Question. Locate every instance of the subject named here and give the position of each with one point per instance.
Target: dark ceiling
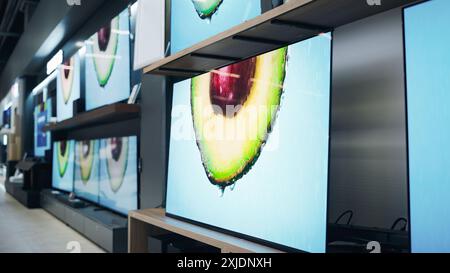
(14, 15)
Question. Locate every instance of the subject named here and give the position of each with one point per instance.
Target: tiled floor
(35, 231)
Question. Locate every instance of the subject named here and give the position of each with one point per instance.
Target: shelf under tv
(142, 222)
(292, 22)
(104, 115)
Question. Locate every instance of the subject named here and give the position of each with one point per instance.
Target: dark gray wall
(368, 169)
(153, 140)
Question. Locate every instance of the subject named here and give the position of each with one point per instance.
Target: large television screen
(42, 139)
(249, 147)
(193, 21)
(119, 174)
(108, 67)
(63, 165)
(68, 87)
(427, 39)
(87, 169)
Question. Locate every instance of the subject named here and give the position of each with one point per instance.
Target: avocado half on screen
(62, 149)
(85, 150)
(104, 47)
(116, 161)
(254, 89)
(67, 78)
(206, 8)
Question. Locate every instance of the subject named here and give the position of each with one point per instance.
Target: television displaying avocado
(68, 87)
(118, 174)
(108, 65)
(87, 162)
(193, 21)
(63, 165)
(250, 140)
(42, 139)
(260, 84)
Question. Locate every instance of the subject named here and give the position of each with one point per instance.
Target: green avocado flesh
(86, 159)
(105, 44)
(116, 160)
(230, 144)
(67, 76)
(62, 149)
(206, 8)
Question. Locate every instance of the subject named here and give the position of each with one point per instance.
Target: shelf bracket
(305, 26)
(215, 57)
(259, 40)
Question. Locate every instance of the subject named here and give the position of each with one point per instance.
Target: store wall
(153, 140)
(368, 169)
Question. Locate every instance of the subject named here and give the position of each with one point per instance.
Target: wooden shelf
(107, 114)
(140, 222)
(292, 22)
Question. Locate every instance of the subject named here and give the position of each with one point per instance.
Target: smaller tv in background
(108, 65)
(86, 184)
(68, 87)
(63, 165)
(7, 118)
(42, 116)
(119, 174)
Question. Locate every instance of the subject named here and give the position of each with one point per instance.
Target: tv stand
(106, 229)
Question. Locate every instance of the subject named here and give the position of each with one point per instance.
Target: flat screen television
(427, 39)
(87, 170)
(7, 118)
(119, 174)
(249, 147)
(42, 116)
(63, 165)
(196, 20)
(68, 87)
(108, 66)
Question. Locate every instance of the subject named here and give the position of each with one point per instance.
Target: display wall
(368, 167)
(428, 86)
(262, 170)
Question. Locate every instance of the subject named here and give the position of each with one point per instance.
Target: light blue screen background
(64, 183)
(91, 189)
(428, 76)
(118, 87)
(125, 199)
(39, 150)
(283, 199)
(188, 29)
(65, 111)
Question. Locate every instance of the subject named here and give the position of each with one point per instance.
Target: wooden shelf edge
(295, 14)
(225, 242)
(102, 115)
(289, 6)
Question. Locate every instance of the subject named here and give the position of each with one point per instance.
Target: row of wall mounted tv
(249, 145)
(102, 171)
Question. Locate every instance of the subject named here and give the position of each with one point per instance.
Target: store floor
(35, 231)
